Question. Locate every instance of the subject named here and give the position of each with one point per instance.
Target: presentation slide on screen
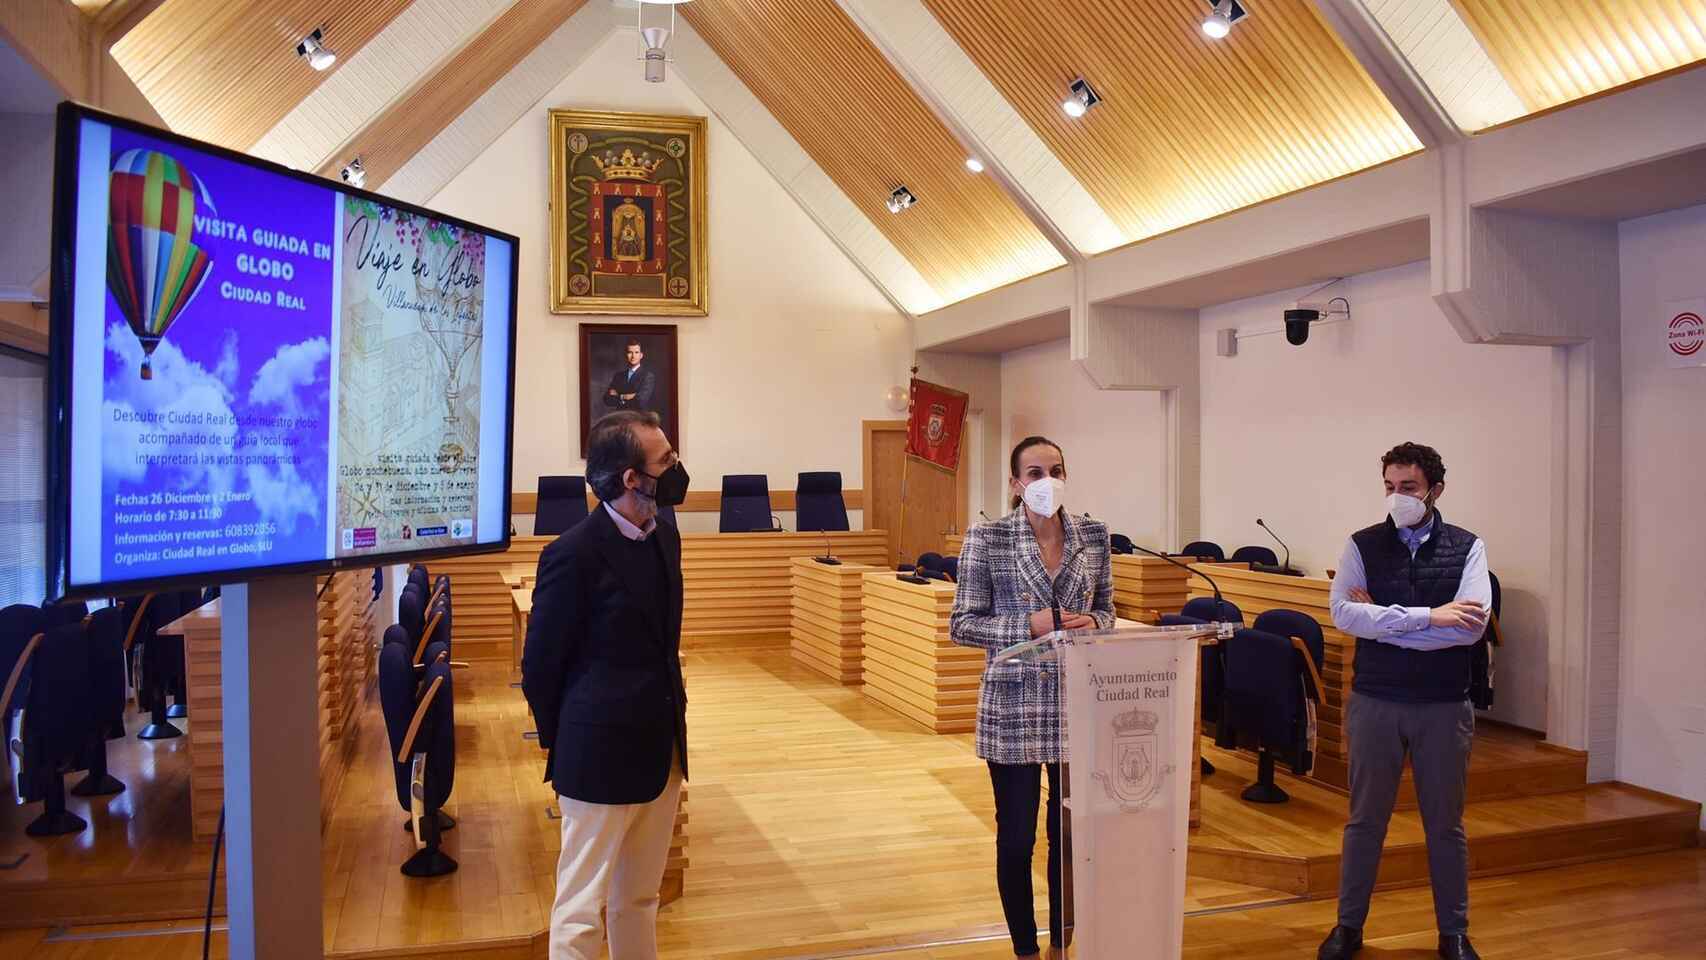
(270, 371)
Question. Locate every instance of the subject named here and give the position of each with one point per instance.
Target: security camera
(1312, 307)
(1297, 321)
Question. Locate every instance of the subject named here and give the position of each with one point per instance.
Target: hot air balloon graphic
(154, 267)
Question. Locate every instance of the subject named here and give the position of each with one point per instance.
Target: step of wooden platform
(1505, 762)
(1294, 846)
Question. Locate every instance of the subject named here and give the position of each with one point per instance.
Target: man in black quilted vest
(1414, 592)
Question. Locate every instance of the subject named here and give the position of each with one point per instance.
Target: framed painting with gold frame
(628, 214)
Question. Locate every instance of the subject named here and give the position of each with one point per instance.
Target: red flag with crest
(935, 421)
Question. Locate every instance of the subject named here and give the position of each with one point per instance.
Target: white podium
(1128, 697)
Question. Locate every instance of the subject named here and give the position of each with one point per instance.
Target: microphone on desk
(1285, 567)
(984, 516)
(776, 524)
(828, 558)
(1219, 602)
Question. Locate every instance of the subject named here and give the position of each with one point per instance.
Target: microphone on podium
(1219, 601)
(828, 558)
(1285, 566)
(984, 516)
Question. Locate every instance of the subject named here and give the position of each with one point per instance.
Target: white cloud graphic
(180, 389)
(295, 365)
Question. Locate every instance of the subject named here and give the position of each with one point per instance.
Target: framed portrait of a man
(630, 367)
(628, 214)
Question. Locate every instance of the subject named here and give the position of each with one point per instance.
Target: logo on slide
(1687, 334)
(461, 529)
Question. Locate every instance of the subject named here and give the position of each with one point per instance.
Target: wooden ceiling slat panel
(1555, 51)
(1189, 128)
(868, 130)
(409, 124)
(227, 70)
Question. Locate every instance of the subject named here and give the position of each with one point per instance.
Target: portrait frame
(602, 358)
(659, 190)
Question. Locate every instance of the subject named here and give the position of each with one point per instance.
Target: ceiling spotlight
(1219, 21)
(654, 39)
(313, 49)
(1080, 99)
(355, 174)
(974, 165)
(900, 199)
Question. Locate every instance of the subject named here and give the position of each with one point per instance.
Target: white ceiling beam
(1367, 41)
(986, 125)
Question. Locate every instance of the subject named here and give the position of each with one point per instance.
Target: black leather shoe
(1456, 947)
(1343, 943)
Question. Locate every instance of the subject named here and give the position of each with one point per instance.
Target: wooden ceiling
(227, 70)
(1189, 128)
(860, 121)
(1555, 51)
(439, 97)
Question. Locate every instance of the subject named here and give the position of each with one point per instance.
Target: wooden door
(934, 501)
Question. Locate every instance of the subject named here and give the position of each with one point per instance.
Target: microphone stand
(1285, 565)
(1226, 628)
(1223, 629)
(828, 558)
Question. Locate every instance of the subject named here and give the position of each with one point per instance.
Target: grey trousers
(1436, 737)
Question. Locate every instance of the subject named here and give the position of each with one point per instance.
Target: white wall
(1112, 439)
(1664, 522)
(26, 181)
(799, 346)
(1294, 435)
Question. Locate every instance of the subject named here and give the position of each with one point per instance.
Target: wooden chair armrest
(458, 664)
(136, 621)
(1314, 674)
(1498, 636)
(426, 634)
(18, 673)
(419, 718)
(436, 593)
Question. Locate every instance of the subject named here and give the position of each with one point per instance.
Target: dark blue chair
(562, 504)
(818, 503)
(1210, 610)
(928, 561)
(746, 503)
(1273, 684)
(57, 727)
(1255, 555)
(1120, 544)
(104, 635)
(19, 623)
(159, 659)
(1203, 548)
(951, 567)
(423, 766)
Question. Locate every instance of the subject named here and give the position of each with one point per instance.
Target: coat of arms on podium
(1138, 770)
(627, 214)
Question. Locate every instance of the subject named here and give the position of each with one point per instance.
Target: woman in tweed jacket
(1013, 573)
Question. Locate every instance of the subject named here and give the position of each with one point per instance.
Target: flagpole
(905, 464)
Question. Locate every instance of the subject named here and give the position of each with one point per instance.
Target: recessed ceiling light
(974, 165)
(900, 199)
(1219, 21)
(1080, 98)
(313, 49)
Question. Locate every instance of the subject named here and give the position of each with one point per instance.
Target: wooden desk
(951, 544)
(910, 665)
(736, 585)
(344, 650)
(1256, 593)
(827, 630)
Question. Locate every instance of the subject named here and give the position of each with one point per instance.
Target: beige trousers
(612, 859)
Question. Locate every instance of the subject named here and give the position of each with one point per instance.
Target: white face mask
(1405, 510)
(1045, 496)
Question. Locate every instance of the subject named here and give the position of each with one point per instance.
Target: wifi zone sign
(1687, 334)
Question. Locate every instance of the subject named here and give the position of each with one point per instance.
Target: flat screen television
(256, 371)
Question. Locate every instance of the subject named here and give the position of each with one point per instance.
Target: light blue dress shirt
(1401, 626)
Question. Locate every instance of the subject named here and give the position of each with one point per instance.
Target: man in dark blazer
(633, 386)
(601, 671)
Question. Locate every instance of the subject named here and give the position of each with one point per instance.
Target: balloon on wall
(154, 266)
